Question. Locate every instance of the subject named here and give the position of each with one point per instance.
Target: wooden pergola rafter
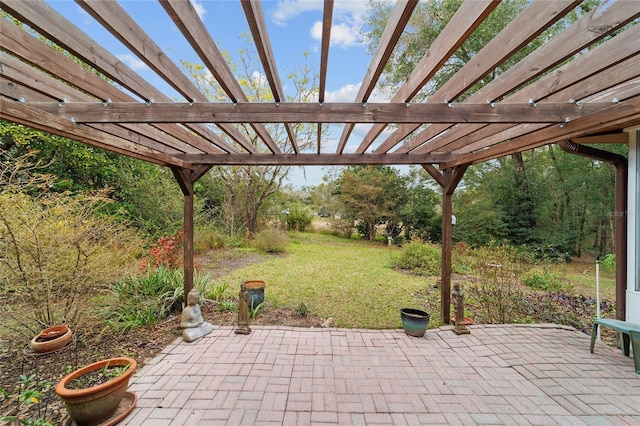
(582, 84)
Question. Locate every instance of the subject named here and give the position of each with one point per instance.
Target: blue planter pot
(414, 321)
(255, 288)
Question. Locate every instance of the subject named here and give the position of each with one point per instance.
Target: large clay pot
(92, 405)
(414, 321)
(44, 343)
(255, 288)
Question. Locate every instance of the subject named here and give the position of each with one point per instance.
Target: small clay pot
(40, 345)
(467, 320)
(53, 332)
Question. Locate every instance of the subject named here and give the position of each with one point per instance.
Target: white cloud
(289, 9)
(259, 78)
(341, 35)
(132, 62)
(349, 92)
(199, 7)
(348, 18)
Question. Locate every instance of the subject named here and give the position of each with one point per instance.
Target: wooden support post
(186, 178)
(448, 179)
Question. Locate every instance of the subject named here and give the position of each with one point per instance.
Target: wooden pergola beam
(171, 112)
(393, 30)
(258, 27)
(621, 115)
(22, 114)
(531, 22)
(302, 159)
(22, 44)
(187, 20)
(466, 19)
(590, 28)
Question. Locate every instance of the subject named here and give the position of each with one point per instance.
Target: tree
(512, 198)
(247, 188)
(371, 195)
(144, 194)
(418, 215)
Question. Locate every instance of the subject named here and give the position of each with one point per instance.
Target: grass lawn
(346, 280)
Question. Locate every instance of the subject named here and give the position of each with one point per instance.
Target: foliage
(254, 310)
(371, 195)
(217, 293)
(143, 300)
(608, 262)
(497, 270)
(30, 392)
(342, 227)
(302, 310)
(298, 217)
(165, 252)
(271, 240)
(97, 377)
(142, 193)
(418, 215)
(56, 251)
(227, 305)
(542, 280)
(421, 258)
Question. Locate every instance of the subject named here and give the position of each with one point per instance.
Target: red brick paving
(503, 374)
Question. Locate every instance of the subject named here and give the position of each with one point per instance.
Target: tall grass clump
(271, 240)
(420, 258)
(145, 299)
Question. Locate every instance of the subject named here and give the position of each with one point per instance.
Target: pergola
(582, 85)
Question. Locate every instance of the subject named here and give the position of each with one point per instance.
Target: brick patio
(506, 374)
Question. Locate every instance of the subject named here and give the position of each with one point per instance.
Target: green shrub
(57, 252)
(210, 238)
(608, 262)
(497, 270)
(420, 258)
(299, 218)
(271, 240)
(342, 227)
(227, 306)
(542, 280)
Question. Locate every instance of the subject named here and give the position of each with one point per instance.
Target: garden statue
(192, 324)
(458, 303)
(243, 311)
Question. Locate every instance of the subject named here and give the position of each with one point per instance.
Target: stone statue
(243, 311)
(458, 303)
(192, 324)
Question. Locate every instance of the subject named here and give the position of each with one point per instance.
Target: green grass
(346, 280)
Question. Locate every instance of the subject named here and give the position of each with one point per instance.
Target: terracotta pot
(53, 332)
(41, 345)
(91, 406)
(255, 288)
(414, 321)
(467, 320)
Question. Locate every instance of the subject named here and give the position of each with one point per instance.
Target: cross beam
(171, 112)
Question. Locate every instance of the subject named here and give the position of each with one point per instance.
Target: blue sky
(294, 28)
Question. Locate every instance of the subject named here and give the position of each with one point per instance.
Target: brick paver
(506, 374)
